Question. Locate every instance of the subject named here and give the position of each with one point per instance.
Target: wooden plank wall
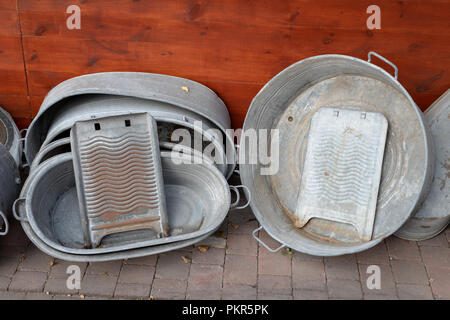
(232, 46)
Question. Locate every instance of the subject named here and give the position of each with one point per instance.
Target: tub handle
(262, 242)
(238, 196)
(14, 210)
(4, 233)
(372, 53)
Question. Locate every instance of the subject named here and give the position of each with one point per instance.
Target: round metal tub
(434, 214)
(88, 106)
(197, 197)
(9, 186)
(183, 93)
(10, 136)
(288, 101)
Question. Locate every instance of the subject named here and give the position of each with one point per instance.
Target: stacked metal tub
(10, 156)
(197, 196)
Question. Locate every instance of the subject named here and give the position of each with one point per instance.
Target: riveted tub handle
(262, 242)
(235, 203)
(372, 53)
(4, 233)
(14, 210)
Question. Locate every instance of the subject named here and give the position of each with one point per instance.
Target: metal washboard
(118, 176)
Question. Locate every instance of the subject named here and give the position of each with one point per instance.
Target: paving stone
(110, 268)
(387, 281)
(342, 267)
(274, 284)
(37, 296)
(310, 294)
(57, 284)
(242, 244)
(238, 292)
(240, 269)
(344, 289)
(400, 249)
(436, 256)
(28, 281)
(147, 261)
(10, 295)
(203, 295)
(376, 255)
(438, 241)
(273, 296)
(8, 266)
(15, 236)
(4, 283)
(211, 256)
(168, 289)
(171, 266)
(12, 251)
(98, 285)
(242, 221)
(299, 256)
(132, 290)
(409, 272)
(68, 297)
(440, 282)
(308, 275)
(379, 297)
(213, 242)
(274, 263)
(35, 260)
(137, 274)
(414, 292)
(205, 277)
(268, 240)
(60, 268)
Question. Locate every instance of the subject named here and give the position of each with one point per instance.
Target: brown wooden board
(232, 46)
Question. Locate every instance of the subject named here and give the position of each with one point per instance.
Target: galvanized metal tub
(407, 164)
(89, 106)
(198, 199)
(434, 214)
(10, 136)
(9, 186)
(50, 150)
(183, 93)
(127, 254)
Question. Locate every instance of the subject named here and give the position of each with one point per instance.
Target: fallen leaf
(52, 263)
(185, 89)
(234, 225)
(202, 248)
(186, 259)
(220, 234)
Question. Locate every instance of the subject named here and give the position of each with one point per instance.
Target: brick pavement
(242, 270)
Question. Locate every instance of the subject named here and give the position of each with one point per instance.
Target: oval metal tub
(183, 93)
(197, 197)
(10, 136)
(9, 186)
(89, 106)
(434, 214)
(287, 103)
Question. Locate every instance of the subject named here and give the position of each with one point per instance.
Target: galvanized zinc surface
(288, 101)
(119, 176)
(342, 169)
